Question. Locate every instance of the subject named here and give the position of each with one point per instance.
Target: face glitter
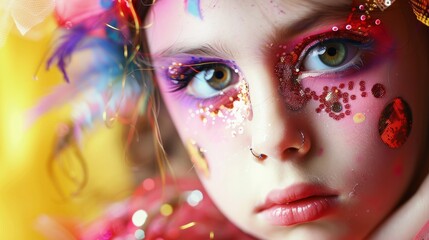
(233, 113)
(198, 158)
(378, 90)
(298, 62)
(395, 123)
(215, 89)
(292, 92)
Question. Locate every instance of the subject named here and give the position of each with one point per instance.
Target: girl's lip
(298, 203)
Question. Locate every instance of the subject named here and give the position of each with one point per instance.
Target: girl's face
(327, 95)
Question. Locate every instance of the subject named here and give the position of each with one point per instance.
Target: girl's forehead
(203, 8)
(193, 23)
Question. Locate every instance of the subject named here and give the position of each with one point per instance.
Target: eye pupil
(332, 51)
(219, 74)
(334, 54)
(220, 77)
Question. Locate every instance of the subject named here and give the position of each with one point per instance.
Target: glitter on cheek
(197, 155)
(234, 113)
(359, 118)
(395, 123)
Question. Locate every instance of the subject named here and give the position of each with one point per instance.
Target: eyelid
(314, 40)
(195, 63)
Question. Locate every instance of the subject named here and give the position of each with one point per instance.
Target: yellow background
(26, 191)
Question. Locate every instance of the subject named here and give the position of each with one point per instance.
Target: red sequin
(378, 90)
(395, 123)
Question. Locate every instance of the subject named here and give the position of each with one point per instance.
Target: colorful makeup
(360, 18)
(214, 89)
(336, 101)
(324, 55)
(329, 57)
(197, 155)
(330, 63)
(193, 7)
(395, 123)
(233, 112)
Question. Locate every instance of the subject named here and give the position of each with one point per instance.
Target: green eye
(211, 80)
(219, 77)
(333, 54)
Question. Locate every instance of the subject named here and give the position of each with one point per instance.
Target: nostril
(290, 153)
(297, 149)
(292, 150)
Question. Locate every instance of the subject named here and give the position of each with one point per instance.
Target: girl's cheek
(341, 101)
(355, 100)
(202, 123)
(227, 117)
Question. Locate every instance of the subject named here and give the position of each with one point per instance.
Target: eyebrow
(320, 13)
(217, 49)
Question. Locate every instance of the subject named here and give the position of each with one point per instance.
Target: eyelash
(188, 71)
(364, 44)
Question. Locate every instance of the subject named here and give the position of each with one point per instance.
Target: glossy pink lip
(298, 204)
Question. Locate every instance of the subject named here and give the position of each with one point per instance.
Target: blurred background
(35, 187)
(27, 192)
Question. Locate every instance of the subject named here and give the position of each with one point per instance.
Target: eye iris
(334, 54)
(221, 77)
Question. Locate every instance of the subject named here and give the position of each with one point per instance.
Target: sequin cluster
(336, 101)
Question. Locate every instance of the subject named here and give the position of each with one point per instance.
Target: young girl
(303, 119)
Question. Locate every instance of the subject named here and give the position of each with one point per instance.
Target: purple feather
(68, 44)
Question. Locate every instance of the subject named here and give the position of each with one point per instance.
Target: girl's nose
(277, 132)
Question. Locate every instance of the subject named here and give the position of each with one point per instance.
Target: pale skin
(368, 178)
